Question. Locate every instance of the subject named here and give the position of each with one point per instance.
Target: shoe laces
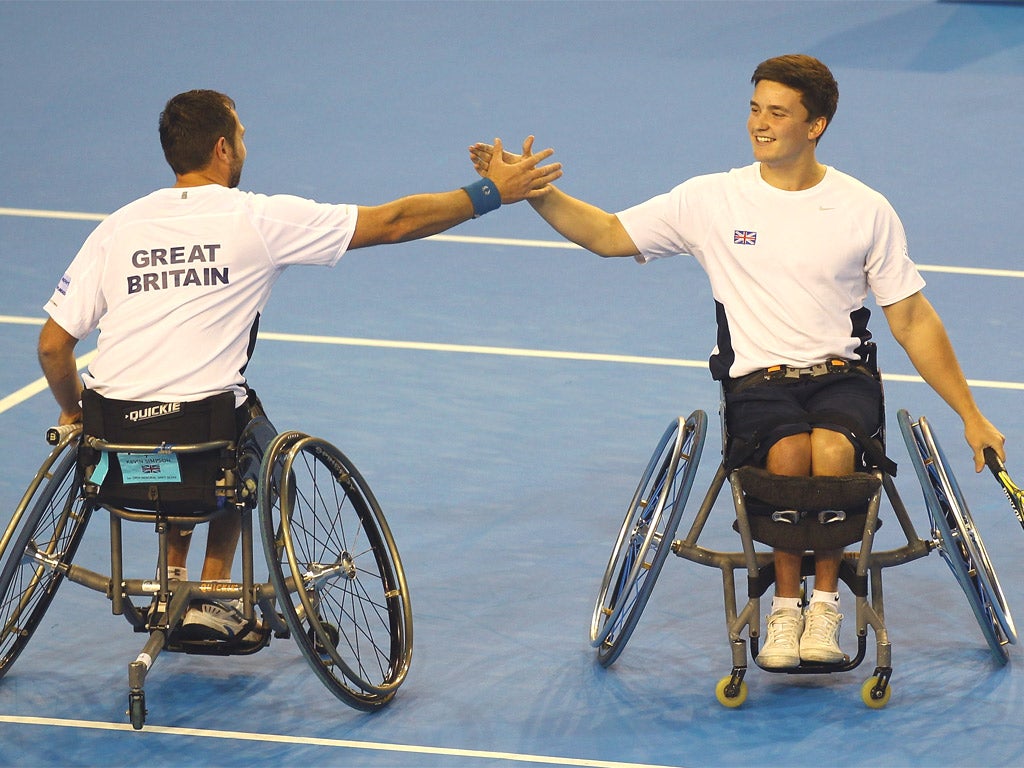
(784, 629)
(822, 623)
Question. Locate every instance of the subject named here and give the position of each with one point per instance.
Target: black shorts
(759, 416)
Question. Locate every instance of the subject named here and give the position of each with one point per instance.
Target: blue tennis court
(500, 390)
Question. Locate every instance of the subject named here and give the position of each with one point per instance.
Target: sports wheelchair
(336, 583)
(648, 536)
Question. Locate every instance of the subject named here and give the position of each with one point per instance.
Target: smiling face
(781, 132)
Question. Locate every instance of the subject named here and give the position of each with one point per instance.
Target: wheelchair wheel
(645, 538)
(957, 538)
(335, 569)
(39, 542)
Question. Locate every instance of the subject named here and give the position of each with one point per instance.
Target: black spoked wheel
(336, 570)
(40, 540)
(645, 538)
(957, 538)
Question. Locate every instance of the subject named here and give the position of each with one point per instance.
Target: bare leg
(178, 541)
(221, 543)
(790, 456)
(823, 452)
(832, 455)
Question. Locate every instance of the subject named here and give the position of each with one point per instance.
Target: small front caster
(731, 691)
(876, 691)
(137, 709)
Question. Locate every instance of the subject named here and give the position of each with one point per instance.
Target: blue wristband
(484, 195)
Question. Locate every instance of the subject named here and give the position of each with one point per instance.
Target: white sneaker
(820, 641)
(781, 648)
(213, 620)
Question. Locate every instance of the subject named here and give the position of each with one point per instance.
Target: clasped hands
(518, 177)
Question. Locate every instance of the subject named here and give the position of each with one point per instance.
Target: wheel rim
(352, 613)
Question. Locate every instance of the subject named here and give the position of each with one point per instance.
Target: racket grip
(55, 434)
(993, 462)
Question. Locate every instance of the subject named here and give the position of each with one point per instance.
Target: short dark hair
(819, 91)
(190, 126)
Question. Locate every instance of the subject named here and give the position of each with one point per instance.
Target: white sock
(832, 598)
(793, 603)
(179, 572)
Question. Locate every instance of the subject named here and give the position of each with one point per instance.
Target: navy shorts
(760, 415)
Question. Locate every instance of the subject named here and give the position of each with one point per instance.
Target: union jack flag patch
(744, 237)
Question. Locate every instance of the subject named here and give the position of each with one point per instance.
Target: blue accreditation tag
(139, 468)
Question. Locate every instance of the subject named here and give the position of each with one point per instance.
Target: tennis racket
(1010, 488)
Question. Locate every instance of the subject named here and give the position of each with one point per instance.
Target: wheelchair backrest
(178, 483)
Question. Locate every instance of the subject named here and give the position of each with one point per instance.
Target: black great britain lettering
(176, 276)
(162, 257)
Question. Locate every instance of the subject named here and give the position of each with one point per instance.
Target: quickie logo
(153, 411)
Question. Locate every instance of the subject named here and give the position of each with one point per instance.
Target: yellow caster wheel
(874, 697)
(728, 697)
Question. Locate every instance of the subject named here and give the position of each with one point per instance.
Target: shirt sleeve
(666, 225)
(300, 231)
(78, 303)
(892, 276)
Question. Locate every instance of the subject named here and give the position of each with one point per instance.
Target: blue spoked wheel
(957, 538)
(645, 539)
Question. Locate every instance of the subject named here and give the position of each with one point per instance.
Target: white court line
(481, 350)
(295, 338)
(322, 742)
(558, 355)
(561, 244)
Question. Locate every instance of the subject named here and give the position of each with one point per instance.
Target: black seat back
(164, 481)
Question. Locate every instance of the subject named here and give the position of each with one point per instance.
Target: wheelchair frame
(648, 532)
(336, 582)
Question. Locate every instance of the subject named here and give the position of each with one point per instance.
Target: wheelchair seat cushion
(191, 486)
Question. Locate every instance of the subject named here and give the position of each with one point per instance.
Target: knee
(831, 453)
(790, 456)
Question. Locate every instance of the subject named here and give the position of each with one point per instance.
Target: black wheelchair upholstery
(807, 496)
(171, 482)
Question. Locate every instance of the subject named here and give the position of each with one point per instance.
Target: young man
(176, 282)
(791, 247)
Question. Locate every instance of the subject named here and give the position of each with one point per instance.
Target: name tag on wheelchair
(141, 468)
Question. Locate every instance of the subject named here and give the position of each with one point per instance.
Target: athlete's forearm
(584, 224)
(56, 353)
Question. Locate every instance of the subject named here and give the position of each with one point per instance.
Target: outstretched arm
(917, 327)
(57, 357)
(416, 216)
(582, 223)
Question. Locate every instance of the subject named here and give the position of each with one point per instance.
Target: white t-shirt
(176, 281)
(789, 271)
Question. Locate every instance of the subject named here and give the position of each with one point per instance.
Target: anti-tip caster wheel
(729, 693)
